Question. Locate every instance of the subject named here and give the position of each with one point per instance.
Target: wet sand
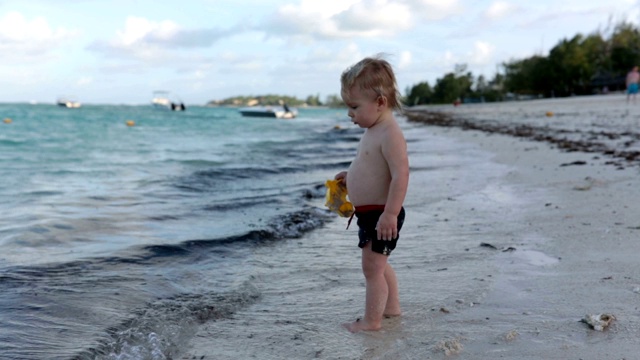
(510, 240)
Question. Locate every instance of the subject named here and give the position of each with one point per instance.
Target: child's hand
(387, 227)
(342, 177)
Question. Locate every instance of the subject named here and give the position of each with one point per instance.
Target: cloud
(373, 18)
(160, 43)
(405, 60)
(434, 9)
(313, 19)
(498, 10)
(151, 40)
(482, 53)
(349, 19)
(564, 15)
(338, 20)
(319, 70)
(84, 81)
(23, 40)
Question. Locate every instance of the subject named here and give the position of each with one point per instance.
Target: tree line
(269, 99)
(581, 65)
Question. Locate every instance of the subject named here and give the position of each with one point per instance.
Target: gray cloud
(25, 40)
(191, 38)
(156, 42)
(365, 19)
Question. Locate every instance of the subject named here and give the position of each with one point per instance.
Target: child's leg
(373, 267)
(393, 300)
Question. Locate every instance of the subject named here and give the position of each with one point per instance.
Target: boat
(68, 103)
(279, 112)
(165, 101)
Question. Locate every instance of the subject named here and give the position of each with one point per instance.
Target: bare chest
(368, 175)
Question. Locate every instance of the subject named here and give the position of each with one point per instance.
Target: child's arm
(394, 151)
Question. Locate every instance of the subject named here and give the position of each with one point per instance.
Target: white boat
(280, 112)
(68, 103)
(165, 101)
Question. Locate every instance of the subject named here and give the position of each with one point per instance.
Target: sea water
(123, 227)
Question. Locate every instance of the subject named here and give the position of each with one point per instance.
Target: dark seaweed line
(556, 137)
(288, 226)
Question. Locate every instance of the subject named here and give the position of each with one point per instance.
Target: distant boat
(165, 101)
(280, 112)
(68, 103)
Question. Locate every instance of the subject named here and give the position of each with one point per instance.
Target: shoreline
(598, 141)
(563, 226)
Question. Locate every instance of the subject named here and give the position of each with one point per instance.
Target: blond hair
(372, 75)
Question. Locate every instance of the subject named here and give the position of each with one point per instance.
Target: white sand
(575, 231)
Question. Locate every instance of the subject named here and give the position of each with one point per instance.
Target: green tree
(313, 100)
(494, 90)
(529, 76)
(596, 50)
(453, 86)
(570, 67)
(334, 101)
(481, 84)
(419, 94)
(625, 47)
(578, 65)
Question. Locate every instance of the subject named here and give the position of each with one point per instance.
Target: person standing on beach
(377, 182)
(633, 78)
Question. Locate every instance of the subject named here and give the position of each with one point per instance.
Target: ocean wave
(91, 289)
(288, 226)
(160, 329)
(14, 142)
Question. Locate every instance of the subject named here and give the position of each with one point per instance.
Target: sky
(120, 51)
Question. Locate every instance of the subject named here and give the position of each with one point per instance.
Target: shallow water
(309, 287)
(117, 240)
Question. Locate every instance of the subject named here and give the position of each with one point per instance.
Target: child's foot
(360, 325)
(392, 311)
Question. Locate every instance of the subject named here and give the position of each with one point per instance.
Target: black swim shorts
(367, 221)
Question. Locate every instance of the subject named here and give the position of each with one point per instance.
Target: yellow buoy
(549, 114)
(7, 121)
(130, 123)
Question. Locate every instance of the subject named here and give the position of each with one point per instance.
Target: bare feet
(361, 325)
(393, 315)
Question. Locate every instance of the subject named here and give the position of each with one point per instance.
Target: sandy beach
(522, 218)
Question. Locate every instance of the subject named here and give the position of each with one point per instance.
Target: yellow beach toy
(337, 198)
